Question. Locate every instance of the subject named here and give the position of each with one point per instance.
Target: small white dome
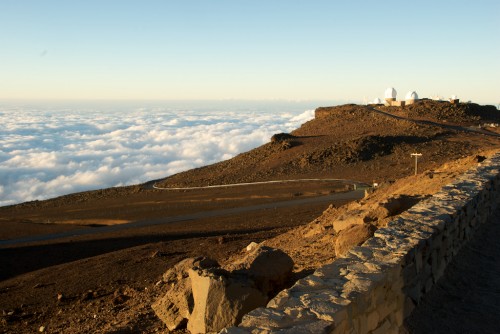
(390, 93)
(454, 97)
(377, 101)
(412, 95)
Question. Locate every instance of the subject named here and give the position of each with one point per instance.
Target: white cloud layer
(47, 152)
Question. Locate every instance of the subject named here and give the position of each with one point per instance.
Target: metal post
(416, 155)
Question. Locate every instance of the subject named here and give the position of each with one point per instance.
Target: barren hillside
(105, 281)
(350, 141)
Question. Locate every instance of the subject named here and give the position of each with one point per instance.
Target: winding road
(152, 184)
(350, 195)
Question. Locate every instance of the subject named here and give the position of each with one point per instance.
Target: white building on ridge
(390, 94)
(411, 97)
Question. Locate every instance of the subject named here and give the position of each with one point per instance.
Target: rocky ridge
(347, 136)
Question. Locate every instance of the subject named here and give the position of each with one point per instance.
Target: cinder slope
(348, 141)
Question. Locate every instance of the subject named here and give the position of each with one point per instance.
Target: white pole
(416, 155)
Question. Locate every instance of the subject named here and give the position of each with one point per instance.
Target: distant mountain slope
(349, 141)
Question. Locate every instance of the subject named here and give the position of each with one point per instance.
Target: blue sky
(293, 50)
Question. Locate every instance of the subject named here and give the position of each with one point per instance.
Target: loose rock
(352, 236)
(270, 268)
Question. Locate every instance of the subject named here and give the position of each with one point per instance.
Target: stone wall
(376, 285)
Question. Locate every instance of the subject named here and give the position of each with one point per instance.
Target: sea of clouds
(51, 150)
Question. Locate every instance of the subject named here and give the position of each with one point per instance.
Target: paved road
(467, 298)
(351, 195)
(152, 184)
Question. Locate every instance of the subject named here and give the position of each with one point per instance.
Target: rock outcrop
(354, 217)
(206, 298)
(221, 299)
(176, 306)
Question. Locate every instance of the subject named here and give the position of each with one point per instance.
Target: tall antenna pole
(416, 155)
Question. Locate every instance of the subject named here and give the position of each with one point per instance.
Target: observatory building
(390, 98)
(390, 95)
(411, 97)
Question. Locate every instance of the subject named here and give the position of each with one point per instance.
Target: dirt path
(466, 299)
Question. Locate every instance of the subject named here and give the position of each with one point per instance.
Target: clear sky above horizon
(281, 49)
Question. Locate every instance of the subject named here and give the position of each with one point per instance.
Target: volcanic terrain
(93, 261)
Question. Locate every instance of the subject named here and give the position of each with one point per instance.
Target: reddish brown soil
(105, 282)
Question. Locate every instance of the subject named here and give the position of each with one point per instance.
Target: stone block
(397, 286)
(300, 314)
(326, 306)
(438, 273)
(363, 253)
(340, 328)
(235, 330)
(318, 326)
(362, 323)
(397, 316)
(418, 261)
(409, 306)
(220, 301)
(267, 319)
(385, 309)
(383, 328)
(283, 298)
(372, 320)
(175, 307)
(434, 260)
(414, 291)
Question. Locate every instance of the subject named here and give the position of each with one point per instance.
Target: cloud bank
(47, 152)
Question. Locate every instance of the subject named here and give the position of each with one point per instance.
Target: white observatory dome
(390, 93)
(377, 101)
(411, 96)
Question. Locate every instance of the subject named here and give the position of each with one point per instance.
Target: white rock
(252, 246)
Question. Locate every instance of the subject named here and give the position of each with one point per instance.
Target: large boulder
(175, 307)
(280, 137)
(207, 298)
(180, 270)
(268, 267)
(353, 217)
(353, 235)
(221, 299)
